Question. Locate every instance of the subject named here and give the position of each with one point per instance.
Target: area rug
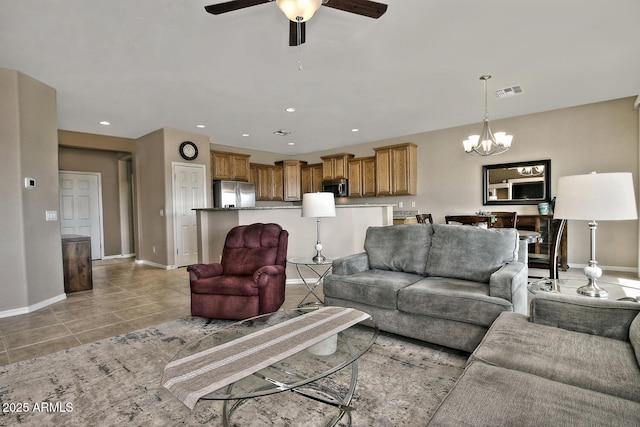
(116, 382)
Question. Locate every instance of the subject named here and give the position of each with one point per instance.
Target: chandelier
(531, 170)
(299, 10)
(487, 143)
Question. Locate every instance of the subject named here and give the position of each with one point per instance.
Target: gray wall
(31, 250)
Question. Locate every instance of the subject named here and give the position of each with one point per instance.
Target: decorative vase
(543, 208)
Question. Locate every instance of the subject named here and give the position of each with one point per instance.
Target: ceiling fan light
(299, 10)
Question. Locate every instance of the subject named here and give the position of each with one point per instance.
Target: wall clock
(188, 150)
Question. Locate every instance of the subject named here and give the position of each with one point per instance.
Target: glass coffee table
(299, 372)
(616, 291)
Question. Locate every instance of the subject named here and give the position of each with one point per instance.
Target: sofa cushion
(470, 253)
(452, 299)
(634, 337)
(593, 362)
(378, 288)
(399, 247)
(492, 396)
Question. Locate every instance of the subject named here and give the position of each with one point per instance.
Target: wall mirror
(520, 183)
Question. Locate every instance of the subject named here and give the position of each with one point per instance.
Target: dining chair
(504, 219)
(550, 260)
(423, 218)
(478, 220)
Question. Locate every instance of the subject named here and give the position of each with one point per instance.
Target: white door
(81, 207)
(188, 192)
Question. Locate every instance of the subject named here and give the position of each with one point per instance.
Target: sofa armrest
(350, 264)
(593, 316)
(510, 283)
(203, 271)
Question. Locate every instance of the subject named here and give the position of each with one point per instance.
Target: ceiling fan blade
(368, 8)
(293, 33)
(232, 5)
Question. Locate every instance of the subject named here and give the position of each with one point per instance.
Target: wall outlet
(400, 204)
(413, 204)
(154, 249)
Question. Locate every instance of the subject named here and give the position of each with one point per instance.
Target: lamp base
(593, 290)
(319, 258)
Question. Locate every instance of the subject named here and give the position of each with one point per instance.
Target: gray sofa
(574, 361)
(444, 284)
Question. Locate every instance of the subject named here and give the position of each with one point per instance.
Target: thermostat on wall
(30, 183)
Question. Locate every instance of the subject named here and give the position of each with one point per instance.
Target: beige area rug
(116, 382)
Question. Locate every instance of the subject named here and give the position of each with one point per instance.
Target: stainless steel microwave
(339, 187)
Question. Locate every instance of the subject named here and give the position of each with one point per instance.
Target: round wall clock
(188, 150)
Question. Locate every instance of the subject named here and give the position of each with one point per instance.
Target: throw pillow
(399, 247)
(470, 253)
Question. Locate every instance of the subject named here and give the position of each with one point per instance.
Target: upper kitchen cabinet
(268, 180)
(335, 166)
(311, 178)
(292, 179)
(362, 177)
(232, 166)
(396, 170)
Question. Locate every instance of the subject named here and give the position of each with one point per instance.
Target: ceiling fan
(300, 11)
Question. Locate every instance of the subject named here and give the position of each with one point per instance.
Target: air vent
(509, 91)
(282, 132)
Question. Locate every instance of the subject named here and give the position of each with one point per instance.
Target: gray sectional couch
(444, 284)
(574, 361)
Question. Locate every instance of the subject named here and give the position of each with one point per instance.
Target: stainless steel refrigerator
(233, 194)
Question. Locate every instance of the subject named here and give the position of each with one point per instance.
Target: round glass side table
(320, 269)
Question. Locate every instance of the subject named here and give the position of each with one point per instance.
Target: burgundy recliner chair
(250, 278)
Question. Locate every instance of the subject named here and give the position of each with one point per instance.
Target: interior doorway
(81, 207)
(189, 192)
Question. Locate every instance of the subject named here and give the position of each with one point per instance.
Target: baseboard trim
(33, 307)
(155, 264)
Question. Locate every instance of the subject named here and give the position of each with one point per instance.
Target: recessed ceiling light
(105, 123)
(291, 143)
(200, 126)
(245, 134)
(290, 110)
(355, 130)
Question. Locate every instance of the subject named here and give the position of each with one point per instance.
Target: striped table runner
(192, 377)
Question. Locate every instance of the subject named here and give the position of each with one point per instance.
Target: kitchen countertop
(256, 208)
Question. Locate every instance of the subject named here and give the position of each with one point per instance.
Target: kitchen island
(340, 235)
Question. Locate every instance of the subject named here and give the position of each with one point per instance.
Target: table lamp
(318, 205)
(595, 197)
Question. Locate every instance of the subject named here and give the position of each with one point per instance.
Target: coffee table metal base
(310, 391)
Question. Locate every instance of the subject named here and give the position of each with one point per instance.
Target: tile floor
(125, 297)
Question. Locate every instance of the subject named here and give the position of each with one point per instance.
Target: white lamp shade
(596, 197)
(318, 205)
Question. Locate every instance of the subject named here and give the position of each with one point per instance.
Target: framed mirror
(519, 183)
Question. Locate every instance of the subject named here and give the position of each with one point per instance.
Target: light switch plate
(51, 215)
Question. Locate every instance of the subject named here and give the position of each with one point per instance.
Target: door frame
(175, 202)
(100, 211)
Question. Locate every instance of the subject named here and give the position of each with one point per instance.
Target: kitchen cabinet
(291, 179)
(362, 177)
(231, 166)
(543, 225)
(311, 178)
(335, 166)
(268, 180)
(76, 263)
(396, 170)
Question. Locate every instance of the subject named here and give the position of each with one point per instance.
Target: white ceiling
(148, 64)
